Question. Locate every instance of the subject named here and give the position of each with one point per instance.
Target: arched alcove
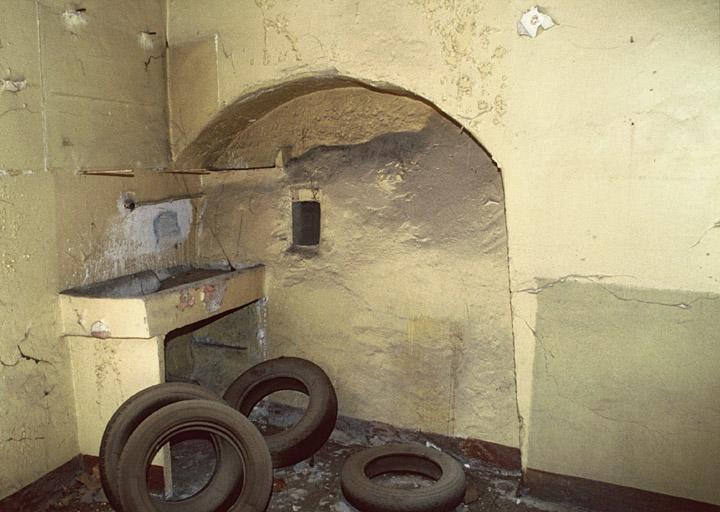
(405, 300)
(204, 149)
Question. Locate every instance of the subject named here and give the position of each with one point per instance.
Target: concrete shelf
(115, 331)
(153, 303)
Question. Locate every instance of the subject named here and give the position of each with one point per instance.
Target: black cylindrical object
(306, 223)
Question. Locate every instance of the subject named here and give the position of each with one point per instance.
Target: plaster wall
(405, 303)
(105, 374)
(37, 418)
(92, 97)
(604, 128)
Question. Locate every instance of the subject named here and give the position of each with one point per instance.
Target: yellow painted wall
(90, 102)
(605, 129)
(105, 374)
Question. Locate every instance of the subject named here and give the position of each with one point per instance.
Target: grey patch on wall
(144, 230)
(166, 226)
(635, 370)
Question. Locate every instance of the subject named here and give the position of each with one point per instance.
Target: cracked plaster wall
(37, 418)
(95, 99)
(604, 128)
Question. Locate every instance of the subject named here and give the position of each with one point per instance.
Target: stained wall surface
(90, 95)
(604, 128)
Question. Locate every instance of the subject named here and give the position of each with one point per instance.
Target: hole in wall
(306, 223)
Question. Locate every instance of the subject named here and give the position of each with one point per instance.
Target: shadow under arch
(205, 149)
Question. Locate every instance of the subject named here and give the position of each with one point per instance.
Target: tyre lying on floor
(136, 410)
(444, 495)
(289, 374)
(242, 476)
(192, 416)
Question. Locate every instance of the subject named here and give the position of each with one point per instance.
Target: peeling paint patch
(100, 330)
(213, 295)
(186, 300)
(532, 21)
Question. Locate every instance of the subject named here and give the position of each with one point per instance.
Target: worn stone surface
(21, 121)
(406, 301)
(102, 239)
(193, 101)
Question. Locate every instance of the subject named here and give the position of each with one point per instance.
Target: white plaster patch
(9, 172)
(74, 19)
(100, 330)
(13, 85)
(532, 21)
(147, 40)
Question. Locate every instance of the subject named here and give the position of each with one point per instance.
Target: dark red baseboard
(604, 497)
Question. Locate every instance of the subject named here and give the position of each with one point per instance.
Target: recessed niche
(306, 223)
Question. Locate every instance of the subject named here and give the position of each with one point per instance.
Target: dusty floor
(313, 485)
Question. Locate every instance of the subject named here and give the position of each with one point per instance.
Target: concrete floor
(314, 485)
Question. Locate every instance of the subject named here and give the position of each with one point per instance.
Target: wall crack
(23, 439)
(589, 277)
(679, 305)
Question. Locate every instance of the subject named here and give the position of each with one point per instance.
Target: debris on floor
(85, 495)
(313, 485)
